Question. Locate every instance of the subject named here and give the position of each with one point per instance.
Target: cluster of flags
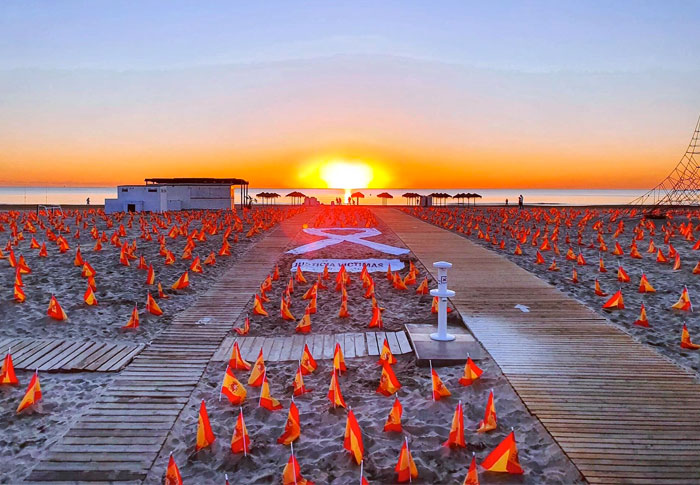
(8, 378)
(544, 229)
(504, 458)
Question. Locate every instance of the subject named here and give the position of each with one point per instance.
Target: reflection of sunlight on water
(347, 195)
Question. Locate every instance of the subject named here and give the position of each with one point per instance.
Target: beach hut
(357, 196)
(385, 196)
(296, 195)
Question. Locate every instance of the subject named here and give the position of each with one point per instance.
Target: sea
(97, 195)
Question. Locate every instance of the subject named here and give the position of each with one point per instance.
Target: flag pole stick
(432, 382)
(245, 454)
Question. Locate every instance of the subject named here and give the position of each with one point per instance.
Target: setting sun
(341, 174)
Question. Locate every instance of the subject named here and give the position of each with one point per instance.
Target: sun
(344, 174)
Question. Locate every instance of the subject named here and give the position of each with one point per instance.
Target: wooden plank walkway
(69, 355)
(619, 410)
(119, 437)
(290, 348)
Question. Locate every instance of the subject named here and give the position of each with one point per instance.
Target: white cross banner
(356, 237)
(351, 265)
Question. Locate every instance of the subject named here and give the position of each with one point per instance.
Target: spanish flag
(236, 361)
(291, 475)
(133, 319)
(642, 320)
(334, 394)
(240, 441)
(376, 321)
(258, 373)
(299, 276)
(472, 477)
(456, 437)
(151, 306)
(683, 302)
(196, 266)
(55, 311)
(622, 275)
(471, 373)
(292, 428)
(161, 293)
(182, 282)
(266, 400)
(338, 359)
(489, 422)
(388, 383)
(245, 329)
(686, 343)
(504, 458)
(32, 395)
(385, 355)
(90, 297)
(406, 468)
(343, 312)
(19, 295)
(7, 372)
(205, 436)
(615, 302)
(298, 383)
(539, 259)
(393, 421)
(353, 438)
(172, 474)
(285, 313)
(258, 307)
(518, 251)
(232, 388)
(307, 364)
(598, 290)
(423, 287)
(439, 389)
(211, 259)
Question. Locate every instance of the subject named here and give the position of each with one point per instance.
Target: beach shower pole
(442, 293)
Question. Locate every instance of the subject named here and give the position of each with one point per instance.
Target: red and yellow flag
(439, 389)
(393, 421)
(55, 311)
(308, 364)
(388, 383)
(133, 319)
(240, 441)
(182, 282)
(205, 435)
(32, 395)
(256, 376)
(304, 325)
(299, 276)
(385, 355)
(338, 359)
(642, 321)
(615, 301)
(645, 286)
(89, 296)
(258, 307)
(489, 422)
(150, 276)
(7, 372)
(151, 306)
(683, 302)
(423, 287)
(236, 361)
(19, 295)
(376, 321)
(353, 438)
(456, 437)
(172, 473)
(285, 313)
(196, 266)
(334, 393)
(232, 388)
(245, 329)
(598, 290)
(291, 475)
(405, 468)
(686, 343)
(472, 477)
(471, 373)
(292, 428)
(266, 400)
(504, 458)
(298, 384)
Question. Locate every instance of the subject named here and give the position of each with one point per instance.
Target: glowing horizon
(541, 96)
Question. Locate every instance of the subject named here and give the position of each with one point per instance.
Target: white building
(174, 194)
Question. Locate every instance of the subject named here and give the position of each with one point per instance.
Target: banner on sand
(346, 234)
(351, 265)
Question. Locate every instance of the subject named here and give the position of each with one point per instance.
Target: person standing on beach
(520, 201)
(87, 201)
(506, 202)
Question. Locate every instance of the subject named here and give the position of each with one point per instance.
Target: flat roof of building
(196, 181)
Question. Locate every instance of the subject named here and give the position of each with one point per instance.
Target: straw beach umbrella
(411, 196)
(357, 196)
(296, 195)
(385, 196)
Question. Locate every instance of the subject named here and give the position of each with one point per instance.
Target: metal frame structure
(682, 186)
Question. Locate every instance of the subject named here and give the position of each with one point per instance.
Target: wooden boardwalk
(120, 436)
(280, 349)
(69, 355)
(620, 411)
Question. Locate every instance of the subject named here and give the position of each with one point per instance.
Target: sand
(319, 450)
(665, 324)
